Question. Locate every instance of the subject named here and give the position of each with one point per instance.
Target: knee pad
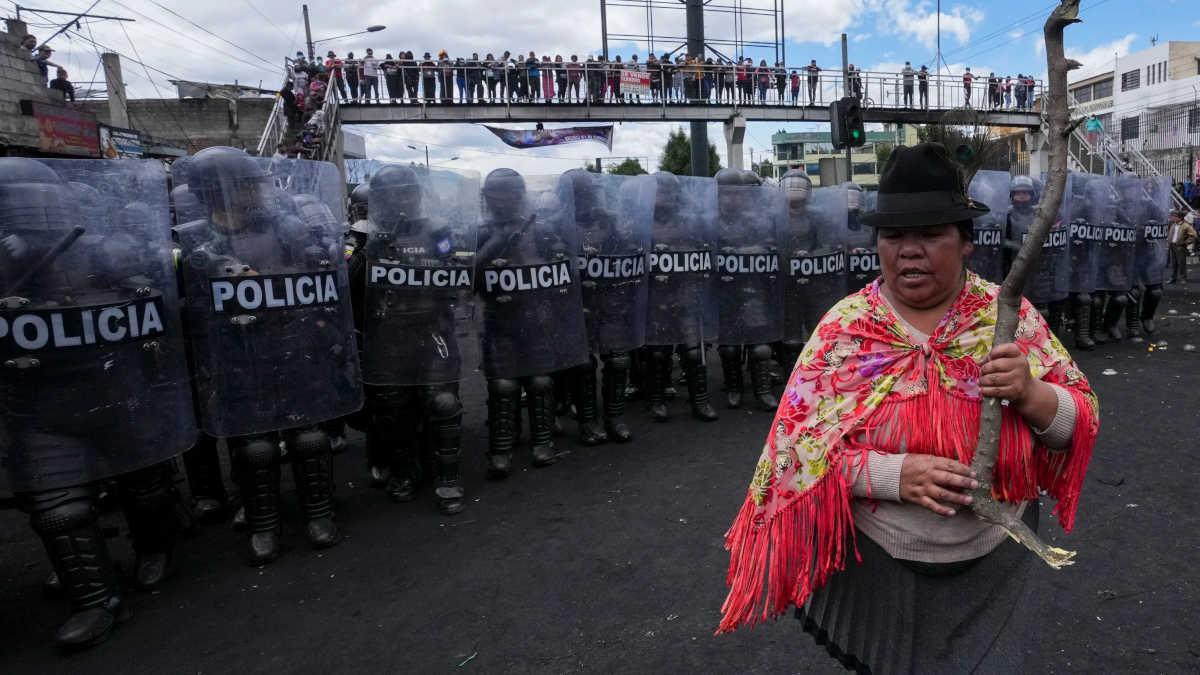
(727, 352)
(760, 352)
(258, 452)
(444, 405)
(148, 488)
(618, 360)
(692, 355)
(503, 387)
(1119, 299)
(1154, 292)
(541, 384)
(59, 511)
(310, 443)
(1081, 299)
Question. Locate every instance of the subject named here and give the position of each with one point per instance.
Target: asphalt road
(612, 560)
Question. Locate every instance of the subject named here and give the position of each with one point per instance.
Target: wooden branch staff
(1009, 301)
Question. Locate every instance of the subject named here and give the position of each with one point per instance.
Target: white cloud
(1015, 35)
(1099, 58)
(860, 37)
(920, 21)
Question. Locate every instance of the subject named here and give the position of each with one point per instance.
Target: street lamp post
(312, 54)
(413, 147)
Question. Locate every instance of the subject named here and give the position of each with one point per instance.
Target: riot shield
(267, 302)
(1051, 279)
(1153, 248)
(990, 188)
(1089, 210)
(681, 307)
(862, 252)
(95, 380)
(613, 216)
(813, 249)
(420, 259)
(527, 276)
(1115, 269)
(749, 287)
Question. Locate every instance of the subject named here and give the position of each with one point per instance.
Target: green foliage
(629, 167)
(677, 156)
(765, 169)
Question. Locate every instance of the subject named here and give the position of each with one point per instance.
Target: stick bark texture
(1058, 128)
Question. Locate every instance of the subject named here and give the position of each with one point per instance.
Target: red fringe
(1061, 473)
(792, 554)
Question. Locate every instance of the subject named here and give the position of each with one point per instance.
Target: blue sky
(245, 39)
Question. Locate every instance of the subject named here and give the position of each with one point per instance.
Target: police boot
(1149, 307)
(151, 506)
(1112, 315)
(312, 470)
(203, 469)
(383, 404)
(1096, 325)
(445, 421)
(590, 431)
(697, 381)
(1082, 307)
(659, 372)
(258, 473)
(66, 522)
(731, 368)
(336, 430)
(541, 420)
(760, 377)
(404, 468)
(616, 377)
(504, 397)
(1058, 318)
(1133, 325)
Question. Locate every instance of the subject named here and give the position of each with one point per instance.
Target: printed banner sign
(635, 82)
(538, 138)
(64, 131)
(120, 143)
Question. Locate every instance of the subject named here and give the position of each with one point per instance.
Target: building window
(1194, 121)
(1131, 80)
(1162, 72)
(1082, 94)
(1150, 71)
(1106, 121)
(1102, 89)
(1129, 128)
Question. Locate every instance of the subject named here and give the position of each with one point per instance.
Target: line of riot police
(256, 318)
(1104, 260)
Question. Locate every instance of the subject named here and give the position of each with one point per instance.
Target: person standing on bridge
(908, 75)
(474, 79)
(490, 69)
(370, 77)
(351, 70)
(814, 78)
(795, 82)
(856, 87)
(547, 70)
(1007, 92)
(560, 77)
(574, 75)
(446, 77)
(534, 72)
(763, 76)
(780, 82)
(967, 79)
(391, 78)
(428, 70)
(410, 75)
(923, 86)
(333, 66)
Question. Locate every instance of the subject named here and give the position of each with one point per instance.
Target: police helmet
(796, 185)
(395, 190)
(33, 197)
(217, 175)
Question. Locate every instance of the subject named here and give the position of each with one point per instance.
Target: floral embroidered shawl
(860, 372)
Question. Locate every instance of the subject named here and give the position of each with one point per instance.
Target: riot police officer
(863, 255)
(748, 288)
(356, 233)
(527, 276)
(681, 309)
(1049, 285)
(613, 272)
(1116, 259)
(94, 381)
(1152, 256)
(409, 279)
(813, 253)
(272, 337)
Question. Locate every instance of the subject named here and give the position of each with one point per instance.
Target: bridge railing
(594, 84)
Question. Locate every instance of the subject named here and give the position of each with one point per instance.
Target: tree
(765, 169)
(883, 151)
(677, 155)
(629, 167)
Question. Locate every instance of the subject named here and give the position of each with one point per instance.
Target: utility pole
(118, 107)
(695, 48)
(846, 90)
(312, 54)
(604, 26)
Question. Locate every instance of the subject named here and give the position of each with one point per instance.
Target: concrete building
(1148, 102)
(805, 150)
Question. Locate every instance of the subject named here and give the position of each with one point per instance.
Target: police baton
(55, 251)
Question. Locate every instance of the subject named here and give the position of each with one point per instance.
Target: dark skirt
(885, 615)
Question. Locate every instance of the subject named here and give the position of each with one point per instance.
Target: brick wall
(19, 79)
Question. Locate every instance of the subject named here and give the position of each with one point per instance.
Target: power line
(156, 91)
(209, 32)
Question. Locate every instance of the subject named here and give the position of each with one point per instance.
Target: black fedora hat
(922, 186)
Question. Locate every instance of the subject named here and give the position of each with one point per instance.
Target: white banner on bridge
(635, 82)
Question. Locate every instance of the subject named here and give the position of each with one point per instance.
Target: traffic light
(846, 123)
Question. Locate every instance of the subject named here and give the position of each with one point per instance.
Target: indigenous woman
(868, 457)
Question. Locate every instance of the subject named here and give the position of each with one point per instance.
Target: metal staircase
(277, 129)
